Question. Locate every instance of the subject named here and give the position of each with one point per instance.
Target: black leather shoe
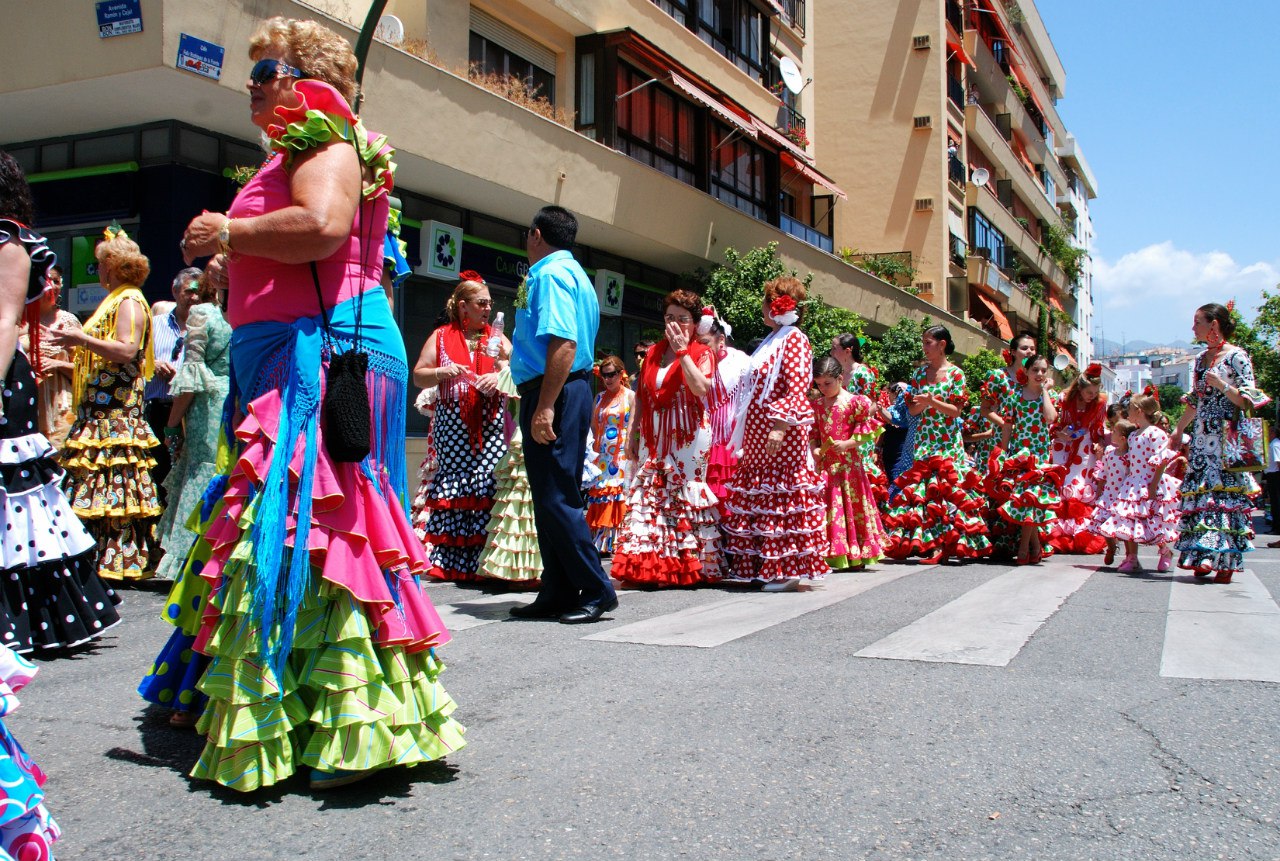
(539, 609)
(589, 612)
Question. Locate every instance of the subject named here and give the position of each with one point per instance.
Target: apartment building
(675, 129)
(940, 121)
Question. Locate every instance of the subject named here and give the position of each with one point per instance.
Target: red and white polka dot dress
(775, 520)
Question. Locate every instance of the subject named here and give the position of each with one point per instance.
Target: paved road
(958, 712)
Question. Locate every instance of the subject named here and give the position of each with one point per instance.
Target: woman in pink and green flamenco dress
(321, 657)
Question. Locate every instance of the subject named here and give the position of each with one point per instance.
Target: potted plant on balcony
(797, 135)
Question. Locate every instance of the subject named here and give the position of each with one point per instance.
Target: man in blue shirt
(553, 348)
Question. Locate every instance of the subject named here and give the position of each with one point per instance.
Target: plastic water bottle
(494, 345)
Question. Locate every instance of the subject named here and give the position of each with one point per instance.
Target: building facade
(943, 121)
(668, 126)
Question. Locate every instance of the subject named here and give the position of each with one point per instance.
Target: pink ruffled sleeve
(790, 395)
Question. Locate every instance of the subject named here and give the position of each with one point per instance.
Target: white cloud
(1152, 293)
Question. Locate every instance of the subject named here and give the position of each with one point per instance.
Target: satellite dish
(1061, 361)
(791, 77)
(390, 30)
(981, 176)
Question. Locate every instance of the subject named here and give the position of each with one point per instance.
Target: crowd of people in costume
(302, 635)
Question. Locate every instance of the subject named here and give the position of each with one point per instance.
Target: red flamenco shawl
(670, 411)
(477, 409)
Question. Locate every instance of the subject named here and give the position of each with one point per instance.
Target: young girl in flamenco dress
(842, 423)
(1109, 474)
(610, 426)
(1028, 481)
(1145, 507)
(1077, 433)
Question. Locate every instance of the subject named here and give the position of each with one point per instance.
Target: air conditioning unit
(925, 122)
(920, 43)
(924, 204)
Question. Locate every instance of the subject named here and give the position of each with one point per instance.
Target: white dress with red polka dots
(775, 518)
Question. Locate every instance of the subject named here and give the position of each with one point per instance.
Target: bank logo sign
(609, 286)
(442, 250)
(119, 18)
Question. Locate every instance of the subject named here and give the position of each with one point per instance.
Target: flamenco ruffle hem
(511, 553)
(938, 510)
(775, 531)
(360, 687)
(670, 537)
(1215, 525)
(27, 831)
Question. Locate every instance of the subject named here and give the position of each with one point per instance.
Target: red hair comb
(472, 275)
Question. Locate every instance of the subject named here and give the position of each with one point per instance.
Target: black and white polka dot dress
(50, 592)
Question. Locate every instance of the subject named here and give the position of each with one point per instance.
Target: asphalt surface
(781, 744)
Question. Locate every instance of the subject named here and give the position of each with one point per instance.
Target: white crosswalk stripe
(987, 625)
(720, 622)
(1214, 631)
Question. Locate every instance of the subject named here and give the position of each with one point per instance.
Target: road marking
(1216, 631)
(987, 625)
(720, 622)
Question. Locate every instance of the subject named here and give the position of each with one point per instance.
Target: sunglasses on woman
(266, 71)
(609, 375)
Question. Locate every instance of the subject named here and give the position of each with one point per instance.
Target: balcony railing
(789, 117)
(955, 91)
(793, 13)
(955, 169)
(808, 234)
(955, 15)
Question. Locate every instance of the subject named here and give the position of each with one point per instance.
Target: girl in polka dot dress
(50, 592)
(1109, 474)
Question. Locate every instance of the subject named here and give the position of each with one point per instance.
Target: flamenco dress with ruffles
(1215, 512)
(995, 396)
(1023, 478)
(205, 372)
(108, 454)
(323, 657)
(468, 436)
(775, 518)
(854, 531)
(723, 402)
(670, 535)
(865, 381)
(512, 552)
(27, 831)
(606, 495)
(50, 593)
(1085, 426)
(938, 512)
(1131, 514)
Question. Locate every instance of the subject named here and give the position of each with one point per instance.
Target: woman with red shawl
(462, 359)
(1078, 433)
(670, 536)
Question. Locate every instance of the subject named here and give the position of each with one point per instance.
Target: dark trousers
(1273, 499)
(157, 413)
(571, 572)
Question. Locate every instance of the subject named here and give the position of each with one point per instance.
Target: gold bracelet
(224, 239)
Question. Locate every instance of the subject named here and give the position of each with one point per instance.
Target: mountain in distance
(1107, 347)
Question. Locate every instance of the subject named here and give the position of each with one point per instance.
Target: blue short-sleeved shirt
(562, 304)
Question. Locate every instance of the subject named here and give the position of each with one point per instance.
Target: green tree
(898, 351)
(976, 368)
(736, 289)
(1171, 400)
(1261, 340)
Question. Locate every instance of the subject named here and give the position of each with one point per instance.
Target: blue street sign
(119, 17)
(199, 56)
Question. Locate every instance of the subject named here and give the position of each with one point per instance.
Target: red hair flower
(471, 275)
(781, 305)
(1094, 370)
(1022, 376)
(708, 310)
(1007, 355)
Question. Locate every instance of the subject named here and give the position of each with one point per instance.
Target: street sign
(119, 17)
(201, 57)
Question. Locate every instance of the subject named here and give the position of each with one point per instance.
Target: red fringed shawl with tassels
(477, 409)
(670, 413)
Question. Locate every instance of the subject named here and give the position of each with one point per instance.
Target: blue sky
(1175, 107)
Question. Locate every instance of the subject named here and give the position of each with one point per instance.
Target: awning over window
(778, 138)
(957, 50)
(1002, 322)
(812, 175)
(776, 6)
(1053, 300)
(705, 98)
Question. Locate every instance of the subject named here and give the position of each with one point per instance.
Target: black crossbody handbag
(344, 414)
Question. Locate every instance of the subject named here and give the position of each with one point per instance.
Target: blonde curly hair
(319, 52)
(123, 257)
